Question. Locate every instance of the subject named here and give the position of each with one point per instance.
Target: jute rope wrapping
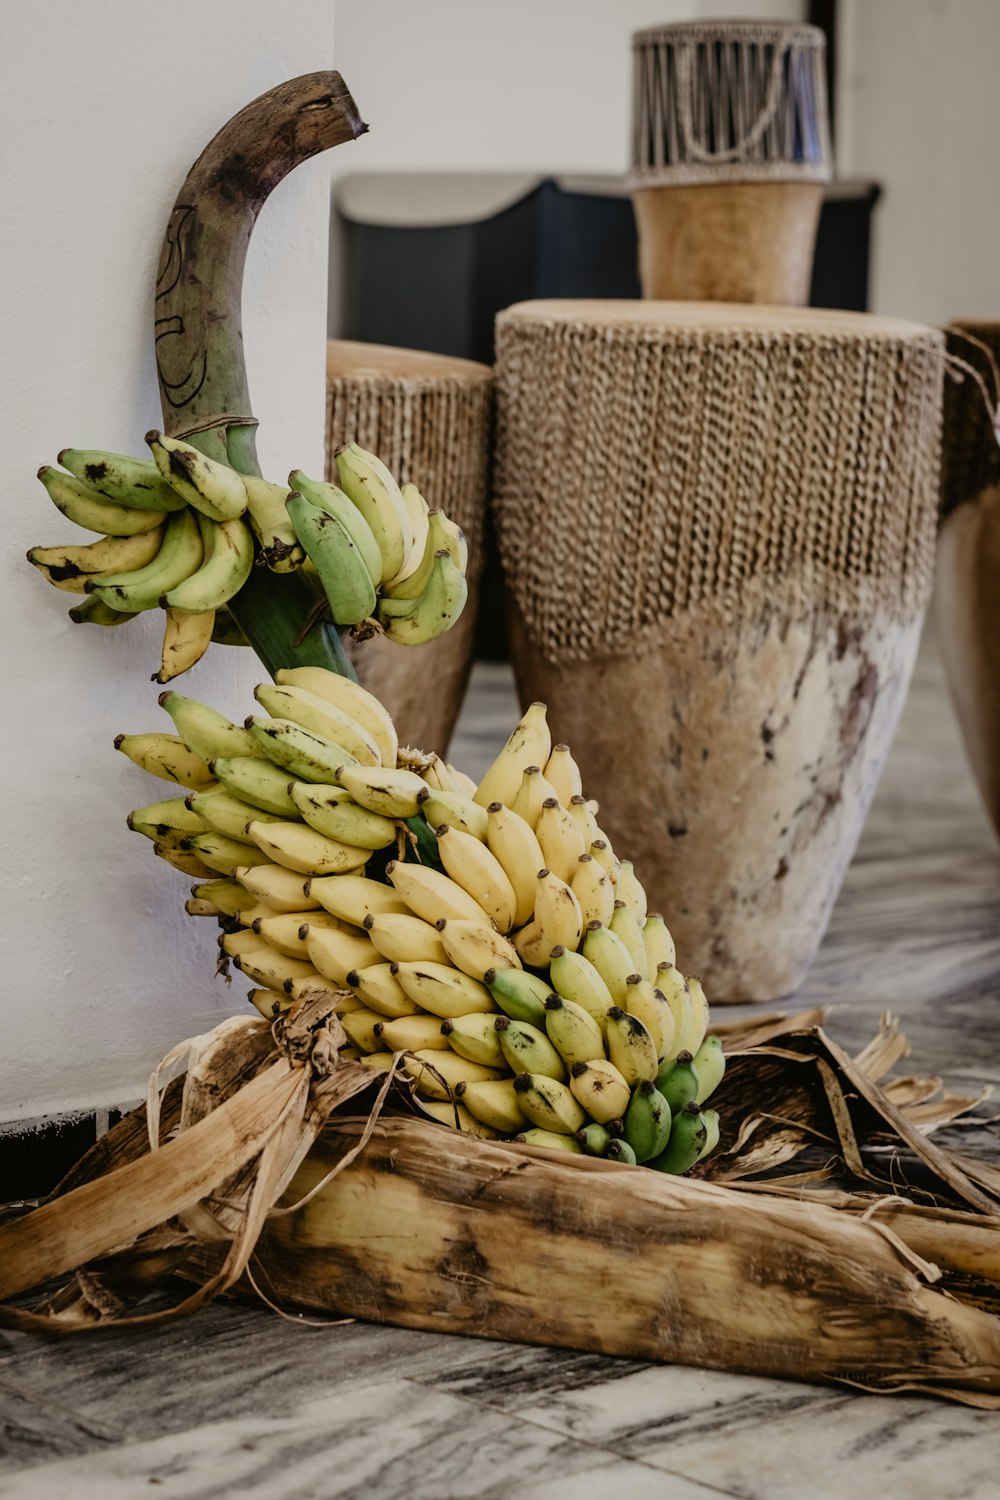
(717, 529)
(643, 471)
(428, 418)
(968, 568)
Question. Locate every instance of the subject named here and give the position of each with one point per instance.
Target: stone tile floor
(237, 1401)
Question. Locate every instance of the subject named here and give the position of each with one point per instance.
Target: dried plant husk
(269, 1169)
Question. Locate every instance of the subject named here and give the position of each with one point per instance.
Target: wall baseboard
(35, 1155)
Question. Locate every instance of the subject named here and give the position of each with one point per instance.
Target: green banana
(212, 488)
(371, 488)
(575, 978)
(320, 717)
(135, 482)
(413, 622)
(553, 1141)
(256, 781)
(221, 853)
(709, 1062)
(620, 1151)
(573, 1032)
(180, 553)
(94, 611)
(280, 548)
(329, 498)
(595, 1139)
(688, 1137)
(647, 1121)
(678, 1081)
(474, 1037)
(520, 995)
(711, 1119)
(166, 822)
(204, 730)
(88, 507)
(225, 568)
(226, 814)
(548, 1103)
(625, 926)
(610, 957)
(308, 756)
(331, 811)
(527, 1049)
(337, 559)
(226, 894)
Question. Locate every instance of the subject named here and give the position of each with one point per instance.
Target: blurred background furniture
(968, 558)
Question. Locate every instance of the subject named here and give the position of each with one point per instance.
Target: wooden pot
(428, 417)
(717, 529)
(728, 242)
(967, 597)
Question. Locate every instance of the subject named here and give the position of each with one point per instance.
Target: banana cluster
(182, 531)
(485, 938)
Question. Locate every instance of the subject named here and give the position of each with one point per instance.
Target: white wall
(104, 107)
(526, 85)
(918, 111)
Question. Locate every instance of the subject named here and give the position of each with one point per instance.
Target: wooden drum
(717, 528)
(730, 150)
(428, 417)
(967, 602)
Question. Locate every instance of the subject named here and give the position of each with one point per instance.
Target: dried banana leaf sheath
(429, 1229)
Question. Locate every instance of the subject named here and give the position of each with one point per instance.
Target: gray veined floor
(238, 1402)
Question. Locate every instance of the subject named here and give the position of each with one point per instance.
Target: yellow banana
(212, 488)
(696, 1035)
(438, 1074)
(405, 939)
(474, 1037)
(514, 844)
(167, 822)
(630, 891)
(579, 810)
(557, 923)
(459, 1118)
(443, 990)
(549, 1103)
(354, 897)
(166, 756)
(560, 839)
(604, 854)
(625, 926)
(563, 773)
(431, 895)
(381, 990)
(456, 808)
(227, 894)
(332, 811)
(279, 887)
(186, 638)
(265, 965)
(573, 1032)
(286, 930)
(364, 1027)
(532, 795)
(671, 984)
(601, 1089)
(382, 789)
(476, 949)
(494, 1104)
(351, 698)
(630, 1047)
(225, 813)
(188, 864)
(69, 567)
(593, 890)
(411, 1033)
(659, 943)
(337, 954)
(528, 745)
(479, 873)
(460, 781)
(222, 854)
(298, 847)
(610, 957)
(642, 1000)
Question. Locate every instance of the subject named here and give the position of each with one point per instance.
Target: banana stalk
(199, 345)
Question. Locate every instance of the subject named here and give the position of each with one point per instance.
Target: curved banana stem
(198, 326)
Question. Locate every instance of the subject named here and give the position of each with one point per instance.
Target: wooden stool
(730, 151)
(428, 417)
(717, 530)
(967, 600)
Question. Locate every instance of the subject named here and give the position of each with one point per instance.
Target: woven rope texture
(643, 471)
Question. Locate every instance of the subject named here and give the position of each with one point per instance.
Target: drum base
(730, 242)
(734, 765)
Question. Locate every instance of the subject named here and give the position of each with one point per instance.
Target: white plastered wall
(918, 112)
(104, 108)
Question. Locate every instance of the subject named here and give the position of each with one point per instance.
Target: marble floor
(237, 1401)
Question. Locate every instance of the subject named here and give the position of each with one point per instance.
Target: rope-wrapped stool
(730, 150)
(967, 601)
(717, 529)
(428, 417)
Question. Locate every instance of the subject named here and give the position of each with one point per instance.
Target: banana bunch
(181, 532)
(487, 934)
